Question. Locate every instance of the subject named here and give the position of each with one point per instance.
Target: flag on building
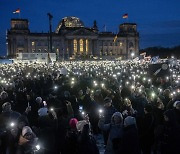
(115, 38)
(125, 16)
(17, 11)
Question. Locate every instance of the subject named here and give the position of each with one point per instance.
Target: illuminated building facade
(72, 39)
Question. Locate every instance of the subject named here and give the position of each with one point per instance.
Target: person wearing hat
(115, 129)
(27, 141)
(70, 143)
(109, 110)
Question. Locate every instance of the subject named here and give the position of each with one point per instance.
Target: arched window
(81, 45)
(75, 46)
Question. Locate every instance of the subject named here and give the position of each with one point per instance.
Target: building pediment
(82, 32)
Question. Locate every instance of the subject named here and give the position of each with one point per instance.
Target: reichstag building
(72, 39)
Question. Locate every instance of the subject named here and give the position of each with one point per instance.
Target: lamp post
(50, 30)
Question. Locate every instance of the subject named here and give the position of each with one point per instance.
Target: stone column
(66, 48)
(72, 47)
(90, 47)
(84, 46)
(95, 48)
(78, 46)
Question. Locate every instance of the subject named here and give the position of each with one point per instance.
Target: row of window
(81, 45)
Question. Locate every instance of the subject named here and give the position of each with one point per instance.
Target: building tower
(17, 40)
(128, 31)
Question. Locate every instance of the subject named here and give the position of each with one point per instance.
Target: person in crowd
(109, 110)
(47, 129)
(8, 115)
(115, 129)
(130, 139)
(146, 131)
(3, 99)
(71, 139)
(86, 142)
(127, 109)
(171, 132)
(166, 97)
(27, 141)
(158, 113)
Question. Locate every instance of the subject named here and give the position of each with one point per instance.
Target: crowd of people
(60, 108)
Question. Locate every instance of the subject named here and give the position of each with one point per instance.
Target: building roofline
(17, 19)
(128, 23)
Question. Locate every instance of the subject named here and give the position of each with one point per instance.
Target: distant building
(72, 39)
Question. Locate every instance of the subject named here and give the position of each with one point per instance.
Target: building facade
(72, 39)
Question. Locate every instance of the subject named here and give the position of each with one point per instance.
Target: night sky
(158, 21)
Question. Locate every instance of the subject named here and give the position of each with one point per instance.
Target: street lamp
(132, 54)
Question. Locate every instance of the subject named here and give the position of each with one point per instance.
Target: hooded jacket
(115, 133)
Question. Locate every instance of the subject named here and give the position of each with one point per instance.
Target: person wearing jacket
(109, 110)
(70, 144)
(146, 130)
(86, 142)
(27, 141)
(115, 128)
(130, 140)
(170, 133)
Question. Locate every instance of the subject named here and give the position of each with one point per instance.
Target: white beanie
(129, 121)
(43, 111)
(26, 129)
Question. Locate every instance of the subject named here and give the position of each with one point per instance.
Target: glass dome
(70, 22)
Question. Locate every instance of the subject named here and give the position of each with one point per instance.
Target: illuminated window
(87, 46)
(33, 43)
(81, 45)
(120, 44)
(75, 46)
